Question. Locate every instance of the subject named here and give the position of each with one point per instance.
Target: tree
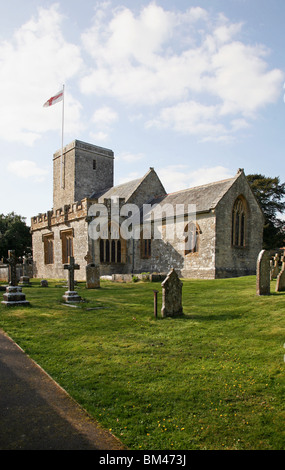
(270, 194)
(14, 235)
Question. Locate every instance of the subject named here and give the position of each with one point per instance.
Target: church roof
(123, 191)
(206, 197)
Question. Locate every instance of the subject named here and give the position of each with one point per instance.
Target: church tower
(85, 169)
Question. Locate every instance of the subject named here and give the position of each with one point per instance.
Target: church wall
(168, 253)
(149, 189)
(80, 248)
(238, 261)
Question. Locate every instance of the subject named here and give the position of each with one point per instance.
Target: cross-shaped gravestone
(25, 266)
(12, 261)
(72, 266)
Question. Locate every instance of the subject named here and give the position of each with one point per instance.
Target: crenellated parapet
(62, 215)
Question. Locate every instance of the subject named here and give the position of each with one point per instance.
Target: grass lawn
(212, 379)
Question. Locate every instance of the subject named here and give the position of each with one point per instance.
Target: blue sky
(194, 89)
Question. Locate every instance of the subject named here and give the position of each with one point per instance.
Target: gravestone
(71, 295)
(263, 273)
(280, 285)
(275, 267)
(14, 295)
(25, 279)
(172, 295)
(44, 283)
(92, 273)
(12, 262)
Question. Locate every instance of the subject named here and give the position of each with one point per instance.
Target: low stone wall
(150, 277)
(4, 272)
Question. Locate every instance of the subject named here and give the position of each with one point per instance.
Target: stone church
(227, 230)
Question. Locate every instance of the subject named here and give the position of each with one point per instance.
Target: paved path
(37, 414)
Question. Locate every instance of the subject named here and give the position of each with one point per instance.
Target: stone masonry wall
(238, 261)
(167, 254)
(71, 217)
(87, 169)
(55, 270)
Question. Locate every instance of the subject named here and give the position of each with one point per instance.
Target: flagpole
(62, 134)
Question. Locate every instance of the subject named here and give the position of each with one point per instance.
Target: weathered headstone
(71, 295)
(92, 273)
(44, 283)
(12, 262)
(14, 295)
(25, 280)
(263, 273)
(172, 295)
(280, 284)
(275, 267)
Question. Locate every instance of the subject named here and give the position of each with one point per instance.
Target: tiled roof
(124, 190)
(205, 197)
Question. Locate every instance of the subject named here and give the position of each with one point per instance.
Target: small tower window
(94, 164)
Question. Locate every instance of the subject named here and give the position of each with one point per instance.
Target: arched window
(239, 219)
(113, 249)
(191, 234)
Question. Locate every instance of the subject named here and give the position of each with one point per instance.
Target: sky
(194, 89)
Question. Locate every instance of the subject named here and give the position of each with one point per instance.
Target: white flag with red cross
(54, 99)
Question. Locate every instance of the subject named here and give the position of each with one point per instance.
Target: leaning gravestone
(13, 296)
(263, 273)
(172, 295)
(92, 273)
(71, 295)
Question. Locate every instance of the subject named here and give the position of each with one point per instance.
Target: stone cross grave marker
(12, 261)
(71, 295)
(25, 280)
(172, 295)
(13, 296)
(263, 273)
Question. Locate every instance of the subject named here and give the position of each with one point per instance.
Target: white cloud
(25, 169)
(129, 157)
(34, 64)
(191, 118)
(104, 116)
(98, 136)
(172, 62)
(129, 177)
(178, 177)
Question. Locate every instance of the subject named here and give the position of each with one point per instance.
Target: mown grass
(212, 379)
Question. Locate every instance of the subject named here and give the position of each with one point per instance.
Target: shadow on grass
(221, 317)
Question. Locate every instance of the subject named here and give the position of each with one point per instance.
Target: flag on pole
(54, 99)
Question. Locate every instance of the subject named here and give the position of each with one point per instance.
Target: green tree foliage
(270, 194)
(14, 235)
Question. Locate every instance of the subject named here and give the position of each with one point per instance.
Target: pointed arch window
(239, 220)
(191, 234)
